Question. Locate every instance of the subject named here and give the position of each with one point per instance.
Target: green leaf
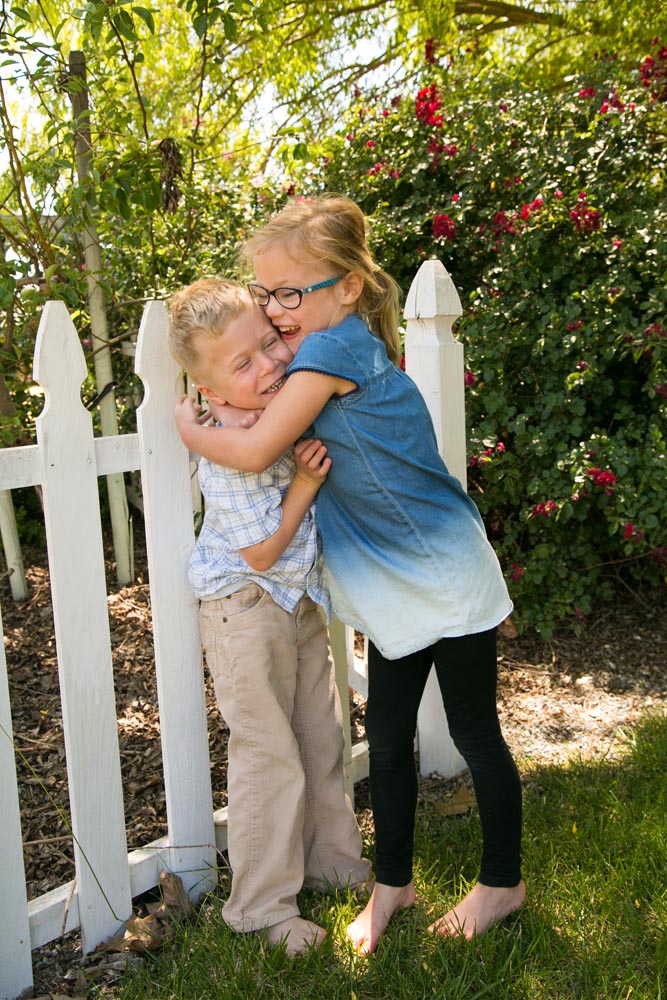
(124, 24)
(146, 16)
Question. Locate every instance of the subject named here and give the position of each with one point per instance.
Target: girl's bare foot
(364, 932)
(298, 934)
(483, 907)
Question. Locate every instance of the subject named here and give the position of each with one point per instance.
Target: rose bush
(549, 212)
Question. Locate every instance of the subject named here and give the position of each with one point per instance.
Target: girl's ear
(351, 288)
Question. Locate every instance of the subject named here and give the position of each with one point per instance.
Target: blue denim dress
(406, 556)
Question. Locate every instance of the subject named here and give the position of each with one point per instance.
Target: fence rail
(66, 462)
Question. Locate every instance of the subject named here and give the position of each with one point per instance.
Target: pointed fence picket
(67, 462)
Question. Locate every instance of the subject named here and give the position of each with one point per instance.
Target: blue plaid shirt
(242, 509)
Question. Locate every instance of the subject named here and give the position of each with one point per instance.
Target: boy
(256, 571)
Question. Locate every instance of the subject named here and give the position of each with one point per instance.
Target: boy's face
(318, 310)
(246, 365)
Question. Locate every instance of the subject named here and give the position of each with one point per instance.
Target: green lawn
(594, 927)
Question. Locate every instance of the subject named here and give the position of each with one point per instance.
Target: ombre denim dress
(406, 556)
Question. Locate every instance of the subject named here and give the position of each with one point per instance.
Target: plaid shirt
(242, 509)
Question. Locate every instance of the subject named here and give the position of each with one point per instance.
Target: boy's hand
(233, 416)
(311, 461)
(188, 413)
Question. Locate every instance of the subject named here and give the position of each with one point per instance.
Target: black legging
(466, 669)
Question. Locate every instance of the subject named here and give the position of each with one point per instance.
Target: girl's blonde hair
(331, 230)
(203, 311)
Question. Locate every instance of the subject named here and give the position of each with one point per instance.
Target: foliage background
(524, 145)
(549, 212)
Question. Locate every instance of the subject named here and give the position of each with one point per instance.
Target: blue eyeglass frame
(286, 288)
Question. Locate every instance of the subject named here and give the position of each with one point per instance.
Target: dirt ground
(567, 697)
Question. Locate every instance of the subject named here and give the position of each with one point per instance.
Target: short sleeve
(348, 351)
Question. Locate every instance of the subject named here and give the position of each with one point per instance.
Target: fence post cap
(432, 293)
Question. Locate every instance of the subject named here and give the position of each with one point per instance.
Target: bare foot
(483, 907)
(298, 934)
(364, 932)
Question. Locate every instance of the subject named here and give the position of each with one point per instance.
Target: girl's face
(319, 309)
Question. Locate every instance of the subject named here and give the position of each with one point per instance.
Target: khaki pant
(290, 823)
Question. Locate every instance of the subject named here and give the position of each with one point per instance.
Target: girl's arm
(312, 468)
(254, 449)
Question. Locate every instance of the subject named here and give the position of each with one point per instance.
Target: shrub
(549, 212)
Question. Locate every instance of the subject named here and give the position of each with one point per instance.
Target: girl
(406, 555)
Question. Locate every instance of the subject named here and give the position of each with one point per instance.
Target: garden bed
(567, 697)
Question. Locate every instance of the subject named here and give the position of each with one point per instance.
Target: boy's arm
(312, 468)
(298, 403)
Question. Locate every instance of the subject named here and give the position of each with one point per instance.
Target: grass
(594, 928)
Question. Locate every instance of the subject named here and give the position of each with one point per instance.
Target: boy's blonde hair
(331, 230)
(203, 311)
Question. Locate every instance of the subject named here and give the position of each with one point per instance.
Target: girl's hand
(311, 461)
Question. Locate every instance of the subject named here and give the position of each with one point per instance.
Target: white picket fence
(66, 462)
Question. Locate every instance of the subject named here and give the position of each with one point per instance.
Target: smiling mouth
(276, 385)
(288, 331)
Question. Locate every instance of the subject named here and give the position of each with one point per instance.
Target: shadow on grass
(595, 926)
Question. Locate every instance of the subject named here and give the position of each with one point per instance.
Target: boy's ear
(351, 287)
(211, 395)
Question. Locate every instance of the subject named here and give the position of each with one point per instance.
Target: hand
(312, 465)
(233, 416)
(188, 413)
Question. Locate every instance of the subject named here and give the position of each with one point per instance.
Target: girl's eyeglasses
(288, 298)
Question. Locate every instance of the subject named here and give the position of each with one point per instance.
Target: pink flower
(544, 509)
(502, 223)
(534, 206)
(587, 92)
(662, 389)
(577, 325)
(582, 366)
(443, 227)
(456, 197)
(617, 244)
(629, 530)
(427, 104)
(517, 571)
(605, 479)
(558, 193)
(585, 219)
(500, 447)
(469, 379)
(370, 143)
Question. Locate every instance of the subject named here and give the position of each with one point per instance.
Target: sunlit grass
(595, 927)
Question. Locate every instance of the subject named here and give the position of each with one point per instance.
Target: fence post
(167, 498)
(15, 957)
(434, 359)
(78, 588)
